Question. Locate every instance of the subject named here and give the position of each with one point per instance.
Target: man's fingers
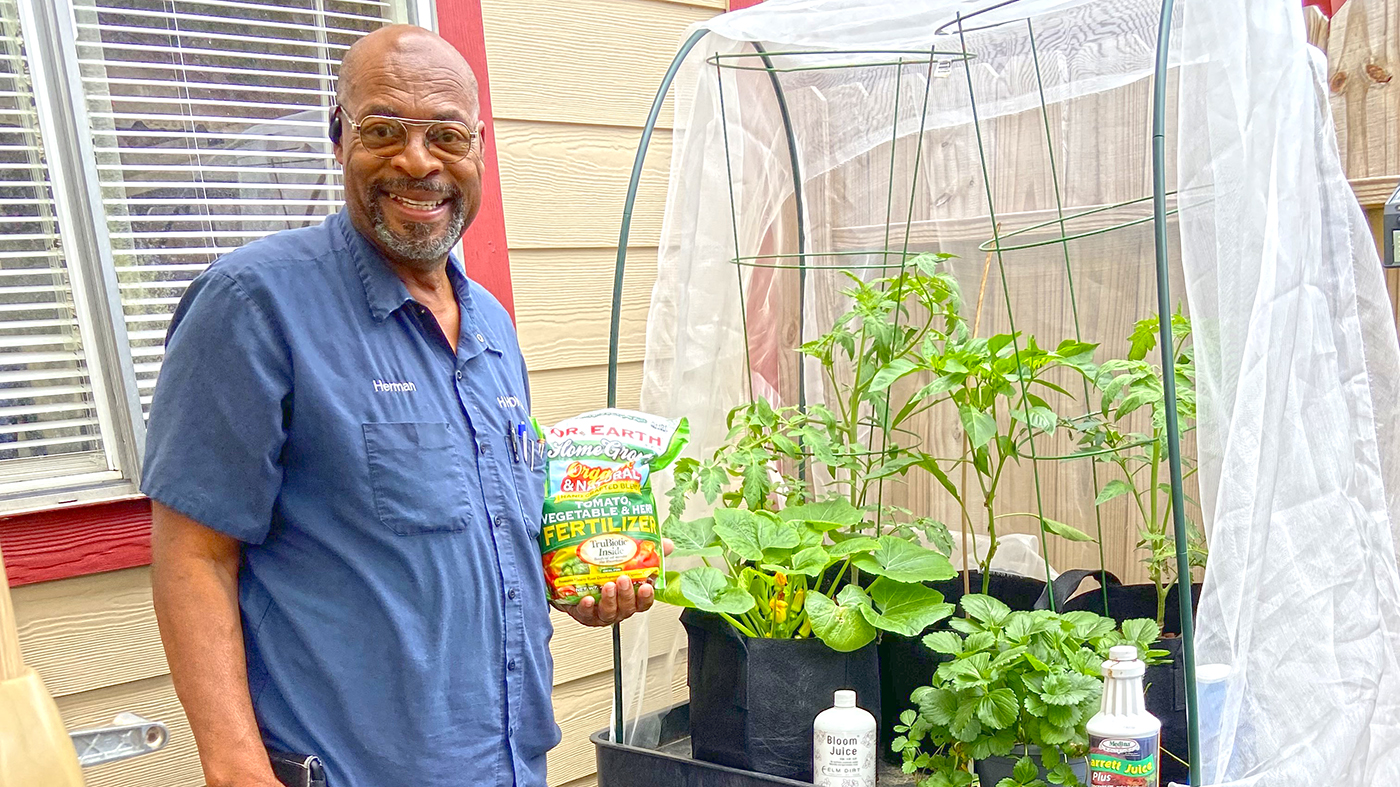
(626, 598)
(646, 594)
(667, 546)
(607, 605)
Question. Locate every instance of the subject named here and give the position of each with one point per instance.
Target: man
(345, 561)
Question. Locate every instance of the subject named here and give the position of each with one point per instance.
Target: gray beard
(420, 249)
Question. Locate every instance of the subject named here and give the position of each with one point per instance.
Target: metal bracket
(129, 736)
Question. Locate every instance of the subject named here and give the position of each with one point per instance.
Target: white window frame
(48, 30)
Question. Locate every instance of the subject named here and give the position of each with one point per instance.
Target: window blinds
(47, 409)
(209, 121)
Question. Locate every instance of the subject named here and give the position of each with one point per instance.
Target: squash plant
(1012, 679)
(780, 555)
(1125, 387)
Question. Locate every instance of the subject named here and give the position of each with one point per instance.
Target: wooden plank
(587, 781)
(1373, 192)
(584, 706)
(563, 393)
(177, 765)
(563, 305)
(90, 632)
(598, 62)
(1363, 50)
(65, 542)
(564, 186)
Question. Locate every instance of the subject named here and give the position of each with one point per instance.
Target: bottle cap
(845, 699)
(1123, 653)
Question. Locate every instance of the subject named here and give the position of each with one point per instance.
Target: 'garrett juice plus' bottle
(1124, 739)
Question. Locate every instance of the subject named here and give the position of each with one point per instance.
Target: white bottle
(1124, 739)
(843, 745)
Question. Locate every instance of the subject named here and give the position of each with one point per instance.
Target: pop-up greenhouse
(970, 302)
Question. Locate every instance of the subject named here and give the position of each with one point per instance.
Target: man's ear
(334, 132)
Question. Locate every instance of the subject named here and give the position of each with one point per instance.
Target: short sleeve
(217, 423)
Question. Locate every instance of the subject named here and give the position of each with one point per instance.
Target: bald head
(406, 50)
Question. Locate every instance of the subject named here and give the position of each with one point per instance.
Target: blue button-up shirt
(393, 600)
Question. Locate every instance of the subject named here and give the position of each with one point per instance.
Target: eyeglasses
(386, 137)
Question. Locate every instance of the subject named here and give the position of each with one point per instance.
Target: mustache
(411, 184)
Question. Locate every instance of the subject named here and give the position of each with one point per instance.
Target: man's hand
(620, 600)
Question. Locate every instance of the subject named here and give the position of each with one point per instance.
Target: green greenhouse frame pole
(1164, 324)
(613, 334)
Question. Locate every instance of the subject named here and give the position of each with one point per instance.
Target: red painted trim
(484, 244)
(71, 542)
(735, 5)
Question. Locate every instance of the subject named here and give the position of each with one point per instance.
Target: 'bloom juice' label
(600, 520)
(1123, 762)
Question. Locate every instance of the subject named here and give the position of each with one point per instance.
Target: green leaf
(1039, 418)
(898, 368)
(748, 534)
(1141, 631)
(980, 426)
(981, 640)
(938, 706)
(714, 591)
(905, 609)
(693, 538)
(851, 546)
(828, 515)
(671, 593)
(841, 626)
(1143, 338)
(1062, 715)
(1087, 625)
(811, 562)
(712, 480)
(904, 562)
(944, 642)
(756, 484)
(985, 608)
(1111, 490)
(1025, 770)
(965, 725)
(1064, 531)
(1067, 688)
(998, 709)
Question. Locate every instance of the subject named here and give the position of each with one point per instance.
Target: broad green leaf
(756, 484)
(998, 709)
(944, 642)
(1064, 531)
(1087, 625)
(1019, 626)
(696, 537)
(841, 626)
(982, 640)
(985, 608)
(904, 562)
(748, 534)
(1042, 419)
(905, 609)
(671, 593)
(938, 705)
(1111, 490)
(898, 368)
(851, 546)
(1025, 770)
(714, 591)
(1067, 688)
(1141, 631)
(811, 562)
(941, 384)
(966, 726)
(828, 515)
(1062, 715)
(980, 426)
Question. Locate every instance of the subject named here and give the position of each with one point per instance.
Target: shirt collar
(384, 290)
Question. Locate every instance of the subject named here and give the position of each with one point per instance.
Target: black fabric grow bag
(753, 701)
(905, 664)
(1165, 683)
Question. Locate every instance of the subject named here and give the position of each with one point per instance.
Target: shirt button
(485, 448)
(459, 374)
(510, 665)
(480, 338)
(497, 522)
(511, 593)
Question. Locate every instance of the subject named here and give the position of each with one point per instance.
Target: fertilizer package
(600, 520)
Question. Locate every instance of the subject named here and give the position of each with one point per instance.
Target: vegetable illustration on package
(600, 518)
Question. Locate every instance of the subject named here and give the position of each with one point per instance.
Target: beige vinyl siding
(571, 84)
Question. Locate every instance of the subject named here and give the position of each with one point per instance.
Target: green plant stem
(831, 590)
(740, 626)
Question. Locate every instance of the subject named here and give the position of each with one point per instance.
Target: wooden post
(11, 663)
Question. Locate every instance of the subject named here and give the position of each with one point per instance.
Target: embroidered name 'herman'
(381, 386)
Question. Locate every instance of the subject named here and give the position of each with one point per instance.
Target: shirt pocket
(418, 482)
(529, 488)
